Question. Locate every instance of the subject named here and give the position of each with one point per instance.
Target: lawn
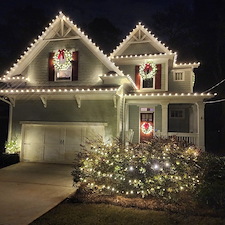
(102, 214)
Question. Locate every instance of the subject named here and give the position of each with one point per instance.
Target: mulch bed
(186, 205)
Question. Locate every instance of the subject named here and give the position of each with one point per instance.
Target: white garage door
(56, 143)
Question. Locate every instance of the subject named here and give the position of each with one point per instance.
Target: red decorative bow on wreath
(61, 54)
(147, 68)
(146, 126)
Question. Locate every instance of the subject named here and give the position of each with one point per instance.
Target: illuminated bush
(160, 168)
(11, 147)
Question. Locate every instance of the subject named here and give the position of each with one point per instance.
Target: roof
(141, 35)
(59, 29)
(153, 48)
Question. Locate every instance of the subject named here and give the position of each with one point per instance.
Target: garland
(148, 70)
(62, 59)
(146, 128)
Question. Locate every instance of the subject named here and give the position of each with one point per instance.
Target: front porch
(180, 117)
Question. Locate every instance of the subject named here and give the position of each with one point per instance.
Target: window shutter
(158, 77)
(137, 77)
(75, 66)
(51, 68)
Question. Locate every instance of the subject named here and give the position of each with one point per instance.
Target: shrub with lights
(12, 147)
(159, 168)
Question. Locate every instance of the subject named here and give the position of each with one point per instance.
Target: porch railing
(190, 138)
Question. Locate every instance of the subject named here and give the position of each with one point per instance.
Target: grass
(102, 214)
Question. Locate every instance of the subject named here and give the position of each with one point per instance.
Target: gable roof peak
(140, 34)
(59, 29)
(61, 13)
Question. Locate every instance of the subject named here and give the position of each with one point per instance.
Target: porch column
(193, 128)
(201, 125)
(126, 121)
(123, 125)
(164, 106)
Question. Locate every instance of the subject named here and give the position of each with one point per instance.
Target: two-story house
(64, 89)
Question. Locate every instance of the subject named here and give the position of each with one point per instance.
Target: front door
(146, 126)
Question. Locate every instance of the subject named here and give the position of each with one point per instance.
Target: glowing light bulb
(156, 166)
(131, 168)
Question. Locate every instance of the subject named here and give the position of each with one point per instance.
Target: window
(176, 113)
(179, 76)
(146, 117)
(147, 83)
(64, 74)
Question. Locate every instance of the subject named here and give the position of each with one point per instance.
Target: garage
(56, 142)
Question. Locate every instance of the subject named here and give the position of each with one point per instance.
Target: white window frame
(63, 80)
(179, 75)
(148, 89)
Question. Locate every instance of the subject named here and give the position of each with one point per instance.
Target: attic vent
(179, 76)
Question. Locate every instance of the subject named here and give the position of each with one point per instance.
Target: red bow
(147, 68)
(61, 54)
(146, 126)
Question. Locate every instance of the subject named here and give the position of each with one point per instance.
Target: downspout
(10, 122)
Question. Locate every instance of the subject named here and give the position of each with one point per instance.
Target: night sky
(123, 13)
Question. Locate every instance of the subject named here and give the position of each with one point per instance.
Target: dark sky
(124, 14)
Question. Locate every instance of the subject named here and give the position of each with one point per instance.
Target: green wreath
(148, 70)
(62, 59)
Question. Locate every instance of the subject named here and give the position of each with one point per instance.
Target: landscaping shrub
(12, 147)
(211, 191)
(162, 168)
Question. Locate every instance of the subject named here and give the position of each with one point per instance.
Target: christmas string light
(141, 170)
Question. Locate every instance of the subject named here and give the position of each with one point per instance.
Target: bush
(161, 168)
(11, 147)
(212, 189)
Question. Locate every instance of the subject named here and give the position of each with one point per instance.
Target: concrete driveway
(28, 190)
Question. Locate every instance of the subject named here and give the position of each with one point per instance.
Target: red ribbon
(146, 126)
(61, 54)
(147, 68)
